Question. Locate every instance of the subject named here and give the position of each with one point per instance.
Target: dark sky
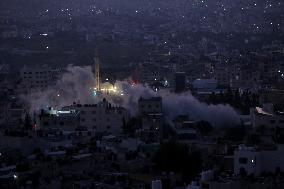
(247, 15)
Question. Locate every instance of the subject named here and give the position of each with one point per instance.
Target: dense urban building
(37, 78)
(101, 117)
(153, 94)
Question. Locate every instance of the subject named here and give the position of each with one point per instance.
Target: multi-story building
(37, 78)
(251, 160)
(101, 117)
(58, 120)
(151, 112)
(150, 105)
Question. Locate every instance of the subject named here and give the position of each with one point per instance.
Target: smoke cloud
(77, 83)
(179, 104)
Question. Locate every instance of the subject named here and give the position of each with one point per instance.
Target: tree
(243, 172)
(22, 167)
(229, 96)
(28, 122)
(237, 101)
(133, 124)
(235, 133)
(35, 177)
(253, 139)
(175, 157)
(93, 145)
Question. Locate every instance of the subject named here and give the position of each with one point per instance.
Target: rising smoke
(179, 104)
(76, 85)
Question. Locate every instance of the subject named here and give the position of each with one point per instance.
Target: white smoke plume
(76, 85)
(180, 104)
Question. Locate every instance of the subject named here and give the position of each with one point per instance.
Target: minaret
(97, 71)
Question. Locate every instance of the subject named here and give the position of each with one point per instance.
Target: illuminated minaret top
(97, 71)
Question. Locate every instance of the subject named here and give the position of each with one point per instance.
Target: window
(243, 160)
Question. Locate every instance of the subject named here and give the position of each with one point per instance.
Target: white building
(37, 78)
(255, 161)
(101, 117)
(58, 120)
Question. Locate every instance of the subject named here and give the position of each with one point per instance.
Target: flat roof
(261, 111)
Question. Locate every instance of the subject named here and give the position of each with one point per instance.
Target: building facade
(251, 160)
(101, 117)
(37, 78)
